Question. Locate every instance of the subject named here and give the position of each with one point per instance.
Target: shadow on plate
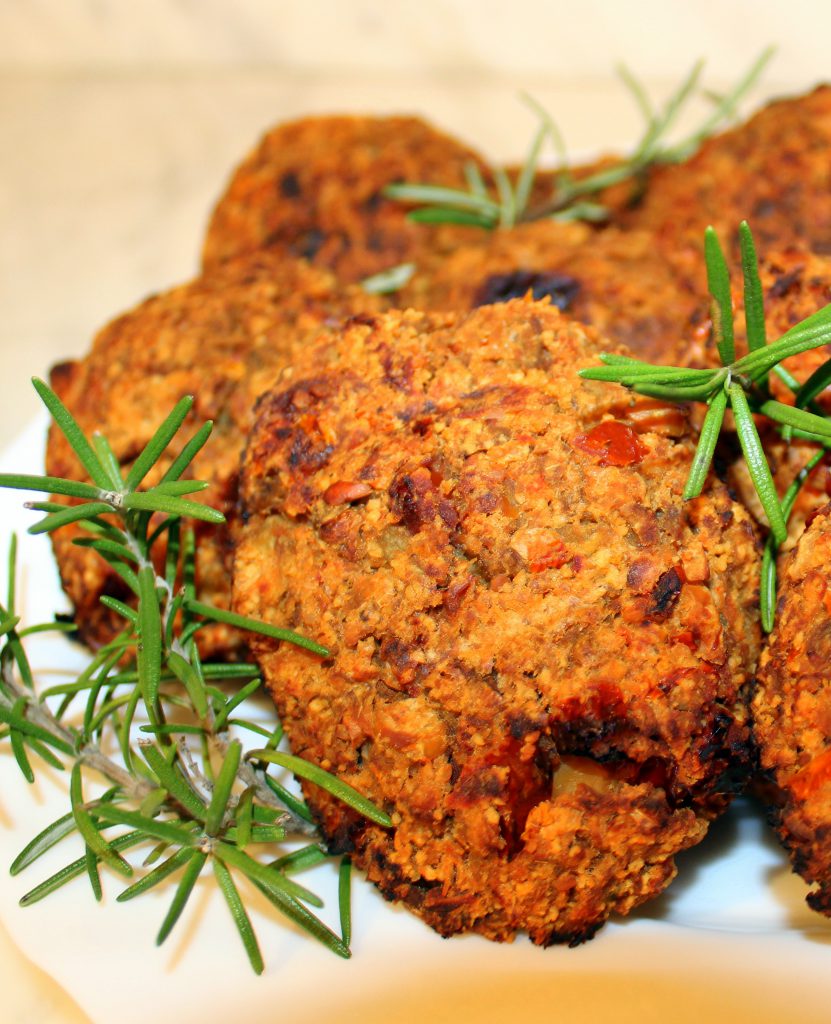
(737, 879)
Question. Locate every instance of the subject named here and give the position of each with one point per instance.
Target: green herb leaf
(19, 751)
(628, 375)
(638, 93)
(90, 834)
(48, 627)
(222, 788)
(244, 817)
(234, 702)
(185, 887)
(130, 614)
(105, 547)
(106, 456)
(189, 452)
(43, 842)
(153, 501)
(190, 679)
(299, 860)
(767, 585)
(23, 725)
(710, 430)
(293, 803)
(8, 625)
(819, 380)
(92, 874)
(50, 485)
(73, 870)
(819, 426)
(721, 308)
(726, 107)
(387, 281)
(437, 194)
(155, 447)
(525, 181)
(12, 576)
(757, 463)
(447, 215)
(754, 305)
(267, 879)
(301, 915)
(345, 899)
(70, 515)
(150, 637)
(173, 781)
(157, 875)
(306, 770)
(812, 332)
(152, 827)
(177, 488)
(240, 917)
(73, 434)
(255, 626)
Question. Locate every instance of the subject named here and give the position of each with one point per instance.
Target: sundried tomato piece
(613, 443)
(343, 491)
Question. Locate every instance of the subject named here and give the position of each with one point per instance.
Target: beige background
(120, 121)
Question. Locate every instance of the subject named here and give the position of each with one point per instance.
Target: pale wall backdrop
(121, 120)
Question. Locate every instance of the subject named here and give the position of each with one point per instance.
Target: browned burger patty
(613, 280)
(223, 339)
(313, 188)
(773, 171)
(792, 710)
(538, 651)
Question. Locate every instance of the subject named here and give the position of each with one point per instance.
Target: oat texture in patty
(792, 710)
(772, 171)
(223, 339)
(313, 188)
(614, 280)
(539, 653)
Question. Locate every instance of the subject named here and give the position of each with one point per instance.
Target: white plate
(731, 939)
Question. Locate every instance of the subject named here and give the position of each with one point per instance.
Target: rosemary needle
(191, 792)
(741, 385)
(572, 198)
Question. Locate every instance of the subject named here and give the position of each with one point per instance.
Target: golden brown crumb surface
(792, 710)
(313, 188)
(772, 171)
(223, 339)
(613, 280)
(539, 652)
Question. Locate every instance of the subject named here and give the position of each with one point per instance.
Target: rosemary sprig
(188, 788)
(742, 386)
(572, 197)
(387, 281)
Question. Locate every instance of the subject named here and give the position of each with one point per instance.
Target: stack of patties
(222, 338)
(225, 336)
(538, 650)
(541, 657)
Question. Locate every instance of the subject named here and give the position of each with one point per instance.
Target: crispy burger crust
(538, 651)
(772, 171)
(222, 338)
(313, 188)
(615, 281)
(792, 710)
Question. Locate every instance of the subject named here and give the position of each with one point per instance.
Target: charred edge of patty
(562, 289)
